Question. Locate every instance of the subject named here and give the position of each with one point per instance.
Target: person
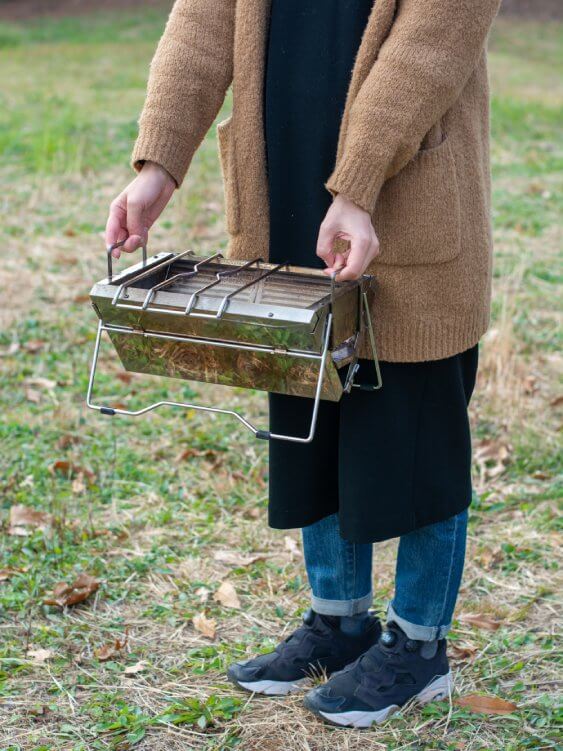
(358, 142)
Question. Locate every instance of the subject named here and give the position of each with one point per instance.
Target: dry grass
(157, 512)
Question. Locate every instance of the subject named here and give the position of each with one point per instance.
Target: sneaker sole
(439, 688)
(271, 688)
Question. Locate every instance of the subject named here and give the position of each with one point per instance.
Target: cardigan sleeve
(189, 77)
(421, 69)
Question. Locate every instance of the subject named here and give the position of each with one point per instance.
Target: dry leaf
(71, 594)
(39, 656)
(32, 395)
(232, 558)
(42, 383)
(492, 457)
(124, 377)
(202, 594)
(67, 440)
(227, 596)
(205, 626)
(34, 345)
(81, 298)
(486, 704)
(480, 621)
(11, 350)
(557, 402)
(111, 650)
(7, 573)
(78, 485)
(138, 667)
(70, 470)
(191, 453)
(292, 546)
(23, 519)
(461, 653)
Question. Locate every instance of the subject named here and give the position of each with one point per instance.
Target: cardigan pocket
(228, 168)
(417, 217)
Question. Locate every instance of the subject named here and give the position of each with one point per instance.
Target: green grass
(146, 519)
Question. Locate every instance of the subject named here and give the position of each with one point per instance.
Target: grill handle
(120, 244)
(258, 433)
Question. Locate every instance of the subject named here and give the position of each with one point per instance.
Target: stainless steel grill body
(246, 324)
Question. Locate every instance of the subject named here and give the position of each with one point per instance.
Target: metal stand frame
(263, 434)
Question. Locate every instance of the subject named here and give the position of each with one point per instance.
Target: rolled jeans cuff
(414, 630)
(341, 607)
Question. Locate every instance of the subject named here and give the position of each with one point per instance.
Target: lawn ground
(163, 510)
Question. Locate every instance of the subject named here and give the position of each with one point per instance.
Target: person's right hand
(137, 208)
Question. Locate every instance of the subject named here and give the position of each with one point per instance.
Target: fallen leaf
(202, 594)
(111, 650)
(11, 350)
(191, 453)
(64, 467)
(205, 626)
(65, 594)
(78, 485)
(138, 667)
(492, 456)
(39, 656)
(557, 402)
(233, 558)
(42, 383)
(530, 385)
(33, 396)
(292, 546)
(67, 440)
(37, 711)
(486, 704)
(34, 345)
(124, 377)
(227, 596)
(481, 621)
(7, 573)
(81, 298)
(23, 519)
(462, 653)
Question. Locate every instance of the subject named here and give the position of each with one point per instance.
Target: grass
(146, 506)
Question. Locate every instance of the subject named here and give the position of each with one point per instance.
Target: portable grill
(247, 324)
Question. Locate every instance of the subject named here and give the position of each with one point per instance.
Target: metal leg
(264, 434)
(379, 384)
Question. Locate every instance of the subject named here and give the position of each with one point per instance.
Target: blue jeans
(428, 574)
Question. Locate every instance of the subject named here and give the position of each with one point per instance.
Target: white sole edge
(438, 689)
(273, 688)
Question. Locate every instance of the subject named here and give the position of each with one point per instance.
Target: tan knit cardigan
(413, 150)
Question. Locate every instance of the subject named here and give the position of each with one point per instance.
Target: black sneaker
(317, 646)
(390, 674)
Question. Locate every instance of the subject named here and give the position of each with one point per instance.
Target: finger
(358, 259)
(338, 264)
(325, 242)
(116, 229)
(136, 227)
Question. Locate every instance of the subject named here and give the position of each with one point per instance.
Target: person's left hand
(346, 221)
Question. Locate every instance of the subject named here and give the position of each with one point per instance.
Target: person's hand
(137, 208)
(345, 221)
